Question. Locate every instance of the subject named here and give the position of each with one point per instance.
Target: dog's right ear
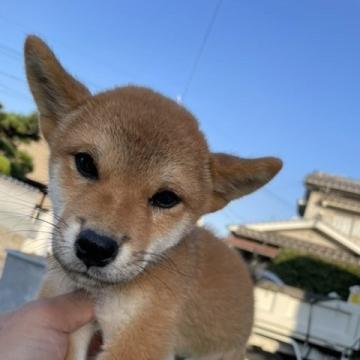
(55, 91)
(234, 177)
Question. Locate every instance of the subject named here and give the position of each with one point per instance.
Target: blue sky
(275, 78)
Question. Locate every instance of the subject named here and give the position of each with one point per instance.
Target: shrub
(21, 165)
(5, 166)
(16, 129)
(315, 274)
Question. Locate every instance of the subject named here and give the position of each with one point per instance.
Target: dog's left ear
(234, 177)
(55, 91)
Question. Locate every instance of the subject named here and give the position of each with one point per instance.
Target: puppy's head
(130, 172)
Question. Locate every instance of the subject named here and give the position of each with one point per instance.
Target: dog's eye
(85, 165)
(165, 199)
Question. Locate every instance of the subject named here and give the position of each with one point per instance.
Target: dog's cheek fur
(63, 245)
(171, 236)
(55, 191)
(66, 229)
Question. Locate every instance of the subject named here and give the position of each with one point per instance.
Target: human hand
(40, 330)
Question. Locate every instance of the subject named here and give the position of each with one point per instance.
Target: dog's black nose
(94, 249)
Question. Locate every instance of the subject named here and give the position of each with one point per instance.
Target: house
(328, 224)
(25, 209)
(303, 322)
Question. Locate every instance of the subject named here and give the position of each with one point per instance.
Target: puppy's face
(130, 172)
(124, 172)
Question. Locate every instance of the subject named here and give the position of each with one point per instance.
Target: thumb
(67, 312)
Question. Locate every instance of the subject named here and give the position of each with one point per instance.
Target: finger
(68, 312)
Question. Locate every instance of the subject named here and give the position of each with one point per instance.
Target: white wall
(18, 206)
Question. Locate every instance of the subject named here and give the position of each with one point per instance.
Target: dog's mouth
(92, 277)
(83, 278)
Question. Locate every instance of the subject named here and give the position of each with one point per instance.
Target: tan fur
(191, 296)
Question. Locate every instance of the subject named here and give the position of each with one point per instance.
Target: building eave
(295, 224)
(299, 224)
(327, 182)
(344, 253)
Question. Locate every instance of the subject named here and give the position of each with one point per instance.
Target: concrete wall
(284, 311)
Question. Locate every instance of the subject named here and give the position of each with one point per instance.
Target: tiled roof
(292, 243)
(323, 180)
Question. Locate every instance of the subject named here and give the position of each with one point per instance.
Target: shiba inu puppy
(130, 174)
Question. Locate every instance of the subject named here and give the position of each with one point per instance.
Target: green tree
(16, 129)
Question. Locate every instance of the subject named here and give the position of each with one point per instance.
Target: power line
(234, 214)
(9, 55)
(278, 198)
(10, 90)
(20, 97)
(10, 50)
(80, 54)
(270, 193)
(201, 50)
(13, 77)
